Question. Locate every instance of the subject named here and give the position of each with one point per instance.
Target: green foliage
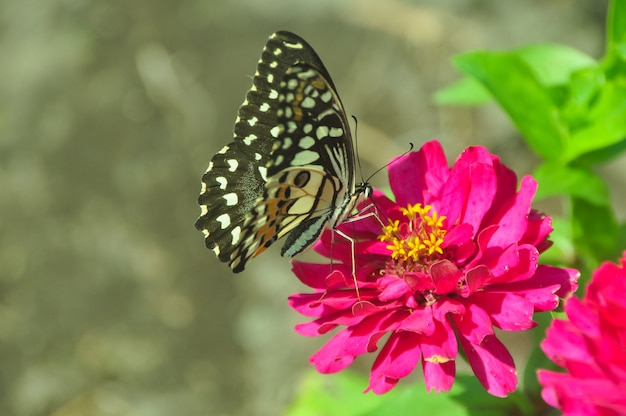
(342, 395)
(571, 111)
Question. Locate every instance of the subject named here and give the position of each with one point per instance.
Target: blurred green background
(109, 113)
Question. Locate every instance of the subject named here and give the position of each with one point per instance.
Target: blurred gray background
(109, 113)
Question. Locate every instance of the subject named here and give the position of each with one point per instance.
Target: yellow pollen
(420, 241)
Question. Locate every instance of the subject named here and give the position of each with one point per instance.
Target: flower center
(416, 243)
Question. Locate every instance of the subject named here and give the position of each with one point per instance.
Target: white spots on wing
(224, 221)
(307, 128)
(236, 233)
(203, 210)
(322, 132)
(288, 112)
(222, 150)
(249, 139)
(296, 45)
(216, 250)
(306, 142)
(291, 126)
(287, 142)
(208, 169)
(252, 121)
(252, 245)
(310, 90)
(335, 132)
(263, 172)
(326, 113)
(231, 199)
(273, 94)
(232, 165)
(264, 107)
(307, 74)
(257, 156)
(275, 131)
(277, 51)
(273, 64)
(305, 157)
(327, 96)
(222, 181)
(279, 160)
(292, 84)
(270, 78)
(261, 221)
(308, 102)
(203, 188)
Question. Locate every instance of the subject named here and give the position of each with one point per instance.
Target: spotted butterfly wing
(290, 170)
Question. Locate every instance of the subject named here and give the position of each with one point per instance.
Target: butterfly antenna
(389, 164)
(356, 146)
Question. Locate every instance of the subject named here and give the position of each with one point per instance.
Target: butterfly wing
(291, 166)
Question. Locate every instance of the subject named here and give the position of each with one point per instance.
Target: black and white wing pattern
(290, 170)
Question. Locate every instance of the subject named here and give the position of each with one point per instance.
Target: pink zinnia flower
(457, 256)
(591, 347)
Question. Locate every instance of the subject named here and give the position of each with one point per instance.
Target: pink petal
(512, 218)
(358, 339)
(548, 277)
(539, 227)
(576, 396)
(454, 195)
(474, 325)
(475, 279)
(396, 359)
(439, 377)
(606, 293)
(441, 346)
(563, 343)
(446, 276)
(392, 288)
(469, 192)
(418, 176)
(507, 311)
(332, 357)
(419, 321)
(492, 364)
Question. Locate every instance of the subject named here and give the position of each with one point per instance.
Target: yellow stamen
(421, 241)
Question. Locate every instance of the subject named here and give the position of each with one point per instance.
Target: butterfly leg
(360, 306)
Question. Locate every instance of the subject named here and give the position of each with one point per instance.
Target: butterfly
(290, 171)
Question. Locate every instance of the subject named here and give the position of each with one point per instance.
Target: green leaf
(339, 394)
(602, 155)
(517, 89)
(614, 62)
(466, 91)
(582, 91)
(616, 27)
(342, 395)
(552, 63)
(585, 85)
(556, 179)
(606, 124)
(468, 392)
(595, 232)
(562, 252)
